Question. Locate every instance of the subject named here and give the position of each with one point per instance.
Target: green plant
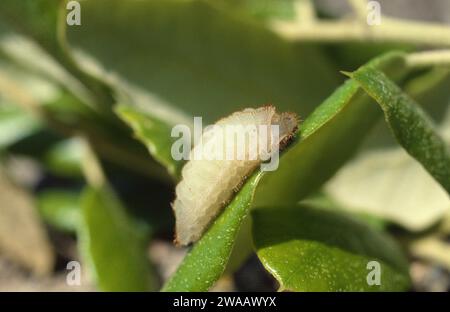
(95, 104)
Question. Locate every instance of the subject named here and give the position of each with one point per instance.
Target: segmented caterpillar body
(208, 184)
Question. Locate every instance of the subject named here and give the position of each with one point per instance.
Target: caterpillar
(208, 183)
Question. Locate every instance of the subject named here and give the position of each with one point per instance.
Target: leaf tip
(346, 73)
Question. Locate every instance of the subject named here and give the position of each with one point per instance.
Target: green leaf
(431, 91)
(111, 242)
(309, 249)
(217, 61)
(327, 139)
(293, 76)
(206, 261)
(324, 137)
(36, 18)
(64, 158)
(411, 126)
(370, 182)
(112, 245)
(323, 201)
(353, 54)
(388, 183)
(262, 9)
(44, 21)
(154, 133)
(15, 124)
(60, 208)
(65, 113)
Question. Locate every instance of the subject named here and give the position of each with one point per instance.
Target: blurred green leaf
(64, 158)
(60, 208)
(208, 82)
(44, 21)
(206, 261)
(217, 61)
(36, 18)
(67, 115)
(388, 183)
(351, 55)
(15, 124)
(309, 249)
(409, 123)
(431, 91)
(262, 9)
(154, 133)
(112, 244)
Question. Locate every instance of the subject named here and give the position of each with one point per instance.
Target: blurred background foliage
(85, 167)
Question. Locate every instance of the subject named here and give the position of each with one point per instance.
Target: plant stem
(428, 58)
(92, 169)
(359, 8)
(304, 10)
(390, 30)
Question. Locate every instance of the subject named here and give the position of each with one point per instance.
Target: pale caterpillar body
(208, 184)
